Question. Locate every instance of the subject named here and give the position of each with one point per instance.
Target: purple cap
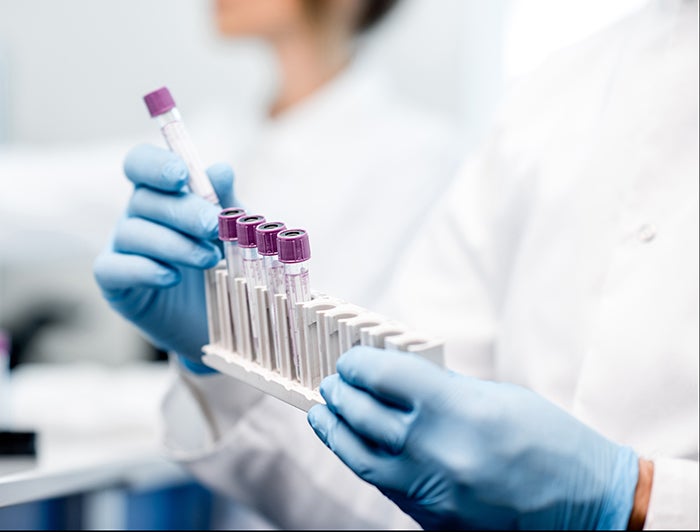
(293, 245)
(159, 101)
(266, 235)
(227, 223)
(245, 228)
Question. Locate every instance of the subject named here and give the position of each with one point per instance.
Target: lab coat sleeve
(673, 504)
(261, 452)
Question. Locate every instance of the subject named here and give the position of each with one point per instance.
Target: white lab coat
(358, 167)
(565, 259)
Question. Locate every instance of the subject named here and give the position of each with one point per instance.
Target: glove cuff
(617, 506)
(195, 367)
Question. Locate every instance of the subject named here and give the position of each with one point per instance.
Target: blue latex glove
(457, 452)
(152, 273)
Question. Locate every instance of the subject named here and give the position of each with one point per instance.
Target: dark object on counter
(32, 322)
(17, 443)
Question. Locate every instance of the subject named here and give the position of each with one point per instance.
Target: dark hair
(371, 13)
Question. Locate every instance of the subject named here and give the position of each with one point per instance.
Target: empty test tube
(252, 270)
(294, 252)
(266, 235)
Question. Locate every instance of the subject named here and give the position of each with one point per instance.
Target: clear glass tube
(179, 141)
(234, 261)
(254, 276)
(298, 290)
(274, 274)
(274, 281)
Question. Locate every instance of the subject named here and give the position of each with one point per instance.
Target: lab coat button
(646, 233)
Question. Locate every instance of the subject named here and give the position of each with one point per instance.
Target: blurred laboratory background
(72, 77)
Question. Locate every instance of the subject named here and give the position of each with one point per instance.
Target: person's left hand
(457, 452)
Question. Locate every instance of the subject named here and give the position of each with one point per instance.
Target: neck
(307, 61)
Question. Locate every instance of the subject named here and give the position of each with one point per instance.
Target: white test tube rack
(329, 327)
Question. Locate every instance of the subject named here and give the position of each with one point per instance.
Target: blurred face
(259, 18)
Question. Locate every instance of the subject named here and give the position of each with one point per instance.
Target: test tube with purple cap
(161, 106)
(228, 234)
(266, 234)
(252, 270)
(295, 253)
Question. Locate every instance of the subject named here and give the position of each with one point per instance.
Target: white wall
(78, 68)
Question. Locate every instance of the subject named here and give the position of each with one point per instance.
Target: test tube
(161, 106)
(266, 235)
(228, 234)
(234, 266)
(252, 270)
(295, 252)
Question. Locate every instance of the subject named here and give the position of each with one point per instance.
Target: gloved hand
(457, 452)
(152, 272)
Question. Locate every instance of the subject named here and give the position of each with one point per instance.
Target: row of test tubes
(266, 326)
(263, 314)
(250, 294)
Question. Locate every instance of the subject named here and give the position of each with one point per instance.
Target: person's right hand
(152, 271)
(459, 453)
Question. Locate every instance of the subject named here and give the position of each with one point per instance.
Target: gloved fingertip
(222, 178)
(354, 358)
(175, 173)
(312, 415)
(327, 386)
(315, 418)
(210, 256)
(168, 278)
(209, 218)
(347, 357)
(213, 231)
(341, 365)
(220, 171)
(218, 253)
(344, 365)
